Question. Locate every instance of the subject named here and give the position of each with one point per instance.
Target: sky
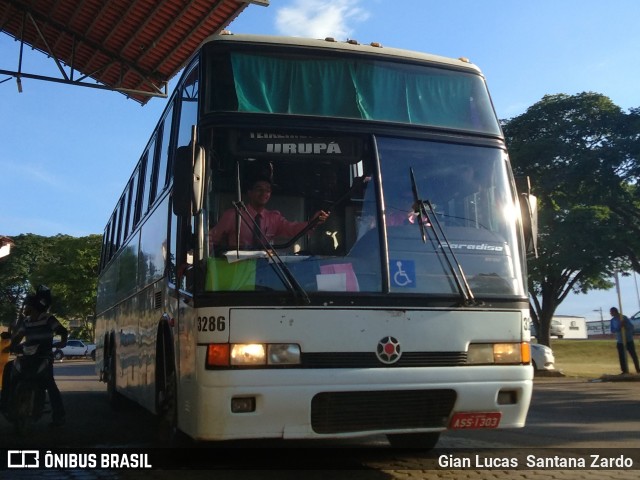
(66, 152)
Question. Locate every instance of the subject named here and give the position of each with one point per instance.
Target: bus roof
(348, 46)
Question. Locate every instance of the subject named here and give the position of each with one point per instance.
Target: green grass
(588, 358)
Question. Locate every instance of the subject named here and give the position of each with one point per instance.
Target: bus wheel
(416, 441)
(168, 410)
(166, 392)
(114, 398)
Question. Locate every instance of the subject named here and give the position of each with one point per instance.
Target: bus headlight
(252, 354)
(283, 354)
(244, 354)
(480, 354)
(498, 353)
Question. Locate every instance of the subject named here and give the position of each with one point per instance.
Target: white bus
(404, 314)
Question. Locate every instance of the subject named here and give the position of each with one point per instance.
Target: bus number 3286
(212, 324)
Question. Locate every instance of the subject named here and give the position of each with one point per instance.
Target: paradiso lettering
(472, 246)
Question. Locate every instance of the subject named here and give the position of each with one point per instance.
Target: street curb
(556, 374)
(548, 373)
(623, 377)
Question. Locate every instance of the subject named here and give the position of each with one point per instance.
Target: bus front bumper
(340, 403)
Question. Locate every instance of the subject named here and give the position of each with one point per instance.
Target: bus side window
(164, 154)
(180, 262)
(188, 107)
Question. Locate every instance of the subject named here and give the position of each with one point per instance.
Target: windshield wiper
(427, 218)
(279, 266)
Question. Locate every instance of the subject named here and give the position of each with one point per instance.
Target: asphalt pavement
(556, 414)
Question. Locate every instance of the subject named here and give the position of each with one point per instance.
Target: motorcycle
(28, 393)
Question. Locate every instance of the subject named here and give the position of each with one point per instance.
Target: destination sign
(262, 144)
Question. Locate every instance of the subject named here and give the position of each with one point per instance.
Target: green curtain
(369, 90)
(307, 87)
(412, 97)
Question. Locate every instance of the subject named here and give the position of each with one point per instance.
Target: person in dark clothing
(618, 323)
(37, 329)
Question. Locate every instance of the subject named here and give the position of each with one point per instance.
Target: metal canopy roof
(134, 47)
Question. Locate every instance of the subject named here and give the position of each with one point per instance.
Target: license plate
(464, 420)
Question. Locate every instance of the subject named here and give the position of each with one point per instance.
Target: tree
(16, 270)
(67, 265)
(72, 275)
(581, 153)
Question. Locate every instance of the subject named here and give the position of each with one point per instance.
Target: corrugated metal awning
(134, 47)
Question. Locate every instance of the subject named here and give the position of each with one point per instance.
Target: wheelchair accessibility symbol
(403, 273)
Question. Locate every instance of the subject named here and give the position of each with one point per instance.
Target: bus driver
(272, 223)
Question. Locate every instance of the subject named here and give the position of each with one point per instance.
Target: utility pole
(635, 280)
(601, 320)
(623, 333)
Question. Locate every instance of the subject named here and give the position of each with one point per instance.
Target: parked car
(635, 320)
(556, 329)
(75, 348)
(542, 357)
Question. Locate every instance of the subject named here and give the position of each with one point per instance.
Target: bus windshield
(371, 241)
(472, 220)
(350, 87)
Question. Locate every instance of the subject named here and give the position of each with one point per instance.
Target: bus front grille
(342, 412)
(370, 360)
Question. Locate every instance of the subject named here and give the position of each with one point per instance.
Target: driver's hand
(322, 216)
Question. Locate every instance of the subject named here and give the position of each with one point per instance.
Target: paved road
(576, 418)
(574, 413)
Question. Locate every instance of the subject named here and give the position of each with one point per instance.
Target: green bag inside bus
(236, 276)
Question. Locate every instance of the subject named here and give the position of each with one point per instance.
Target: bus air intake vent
(157, 301)
(369, 360)
(342, 412)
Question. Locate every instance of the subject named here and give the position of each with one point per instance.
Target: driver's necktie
(256, 230)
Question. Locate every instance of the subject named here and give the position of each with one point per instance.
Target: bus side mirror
(198, 179)
(529, 209)
(188, 180)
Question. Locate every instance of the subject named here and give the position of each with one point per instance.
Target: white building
(5, 246)
(575, 327)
